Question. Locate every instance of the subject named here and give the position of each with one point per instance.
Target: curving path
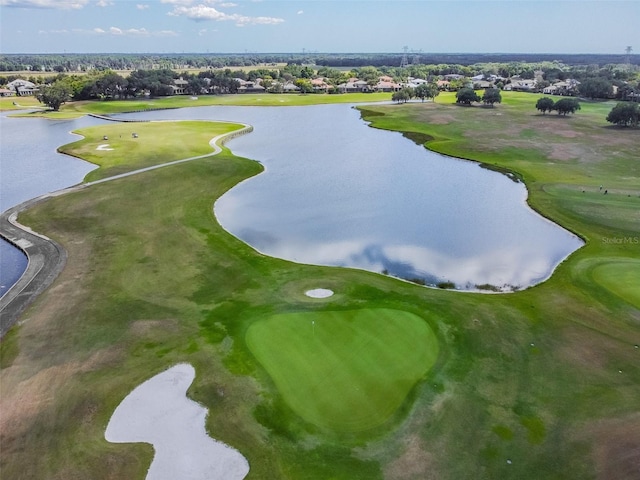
(46, 258)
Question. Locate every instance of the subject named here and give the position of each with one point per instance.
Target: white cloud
(201, 13)
(165, 33)
(138, 32)
(53, 32)
(141, 6)
(116, 32)
(300, 12)
(58, 4)
(104, 3)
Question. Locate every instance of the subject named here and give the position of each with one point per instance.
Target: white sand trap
(104, 147)
(158, 412)
(319, 293)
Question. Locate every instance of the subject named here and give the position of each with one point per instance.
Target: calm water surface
(29, 167)
(335, 192)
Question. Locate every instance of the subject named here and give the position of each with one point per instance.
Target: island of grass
(542, 383)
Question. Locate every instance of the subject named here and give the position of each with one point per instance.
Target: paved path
(46, 258)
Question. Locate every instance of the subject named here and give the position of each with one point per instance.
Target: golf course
(384, 379)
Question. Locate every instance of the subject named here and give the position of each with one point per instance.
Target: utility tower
(416, 57)
(404, 63)
(627, 59)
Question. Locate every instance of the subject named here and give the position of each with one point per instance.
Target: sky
(326, 26)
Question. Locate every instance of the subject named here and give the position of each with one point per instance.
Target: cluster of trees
(107, 85)
(422, 91)
(564, 106)
(466, 96)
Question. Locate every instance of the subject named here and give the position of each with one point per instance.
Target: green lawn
(547, 378)
(75, 109)
(621, 277)
(346, 371)
(155, 143)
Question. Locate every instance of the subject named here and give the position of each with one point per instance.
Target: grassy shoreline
(547, 378)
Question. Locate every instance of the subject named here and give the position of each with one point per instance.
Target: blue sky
(273, 26)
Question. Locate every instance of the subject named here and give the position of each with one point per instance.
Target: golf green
(621, 278)
(347, 371)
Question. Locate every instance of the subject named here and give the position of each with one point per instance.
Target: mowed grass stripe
(347, 371)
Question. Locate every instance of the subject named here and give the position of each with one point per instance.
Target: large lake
(29, 167)
(337, 192)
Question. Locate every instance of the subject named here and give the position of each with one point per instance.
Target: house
(354, 85)
(179, 86)
(521, 85)
(248, 86)
(290, 88)
(5, 92)
(387, 86)
(22, 88)
(320, 85)
(567, 87)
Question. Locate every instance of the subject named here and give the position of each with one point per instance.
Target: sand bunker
(319, 293)
(104, 147)
(158, 412)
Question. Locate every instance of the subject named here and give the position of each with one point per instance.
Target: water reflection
(338, 192)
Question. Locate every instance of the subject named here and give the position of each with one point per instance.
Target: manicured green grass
(74, 109)
(155, 143)
(369, 359)
(547, 378)
(17, 103)
(621, 277)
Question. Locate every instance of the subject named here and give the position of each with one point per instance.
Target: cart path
(46, 258)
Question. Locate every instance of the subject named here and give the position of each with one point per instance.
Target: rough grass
(369, 359)
(547, 378)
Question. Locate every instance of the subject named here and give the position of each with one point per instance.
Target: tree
(467, 95)
(625, 114)
(597, 87)
(426, 90)
(401, 96)
(491, 96)
(566, 105)
(109, 85)
(54, 95)
(545, 104)
(304, 85)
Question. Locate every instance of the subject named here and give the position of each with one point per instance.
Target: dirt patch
(24, 395)
(441, 119)
(616, 449)
(144, 328)
(580, 348)
(560, 151)
(414, 463)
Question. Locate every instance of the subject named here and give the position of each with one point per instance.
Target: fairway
(621, 278)
(344, 370)
(121, 147)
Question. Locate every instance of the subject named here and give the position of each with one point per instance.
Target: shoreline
(46, 258)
